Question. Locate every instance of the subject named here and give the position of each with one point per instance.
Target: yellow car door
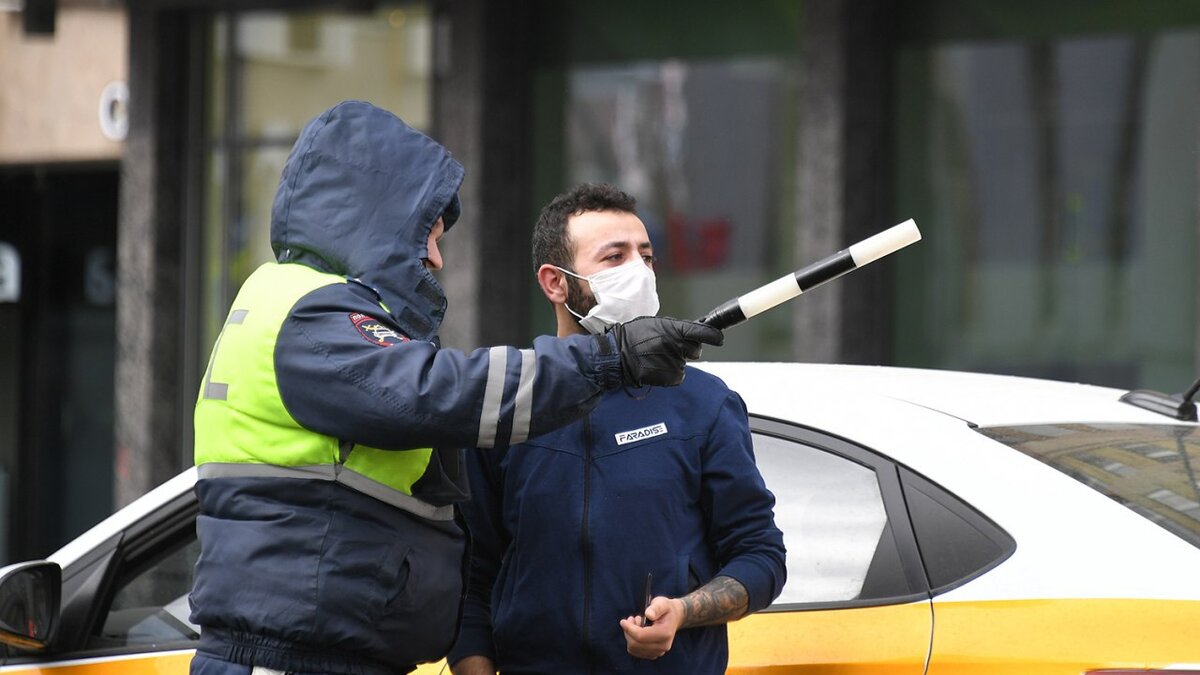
(883, 640)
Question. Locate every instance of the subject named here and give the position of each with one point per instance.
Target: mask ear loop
(577, 315)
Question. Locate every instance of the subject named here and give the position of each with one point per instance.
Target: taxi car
(936, 522)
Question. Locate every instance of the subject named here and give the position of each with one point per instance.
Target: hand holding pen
(651, 635)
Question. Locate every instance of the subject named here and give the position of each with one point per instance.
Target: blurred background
(1047, 151)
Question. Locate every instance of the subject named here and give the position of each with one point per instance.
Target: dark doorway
(57, 348)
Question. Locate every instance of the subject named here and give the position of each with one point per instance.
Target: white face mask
(621, 293)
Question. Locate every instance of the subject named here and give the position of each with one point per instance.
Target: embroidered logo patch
(641, 434)
(375, 332)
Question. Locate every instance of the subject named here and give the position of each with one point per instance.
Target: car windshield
(1149, 468)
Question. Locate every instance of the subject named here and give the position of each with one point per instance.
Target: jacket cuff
(762, 584)
(608, 361)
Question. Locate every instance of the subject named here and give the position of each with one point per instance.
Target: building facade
(1048, 154)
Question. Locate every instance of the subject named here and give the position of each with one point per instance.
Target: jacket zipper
(584, 544)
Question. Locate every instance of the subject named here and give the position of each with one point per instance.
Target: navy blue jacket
(309, 575)
(566, 526)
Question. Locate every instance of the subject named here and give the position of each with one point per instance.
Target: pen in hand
(649, 596)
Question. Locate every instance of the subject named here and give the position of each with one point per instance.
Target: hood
(358, 197)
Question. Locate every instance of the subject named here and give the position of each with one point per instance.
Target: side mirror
(30, 593)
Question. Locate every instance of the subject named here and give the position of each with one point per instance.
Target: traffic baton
(785, 288)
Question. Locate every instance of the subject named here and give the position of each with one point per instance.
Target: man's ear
(553, 284)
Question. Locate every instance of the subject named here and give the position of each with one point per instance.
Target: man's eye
(649, 259)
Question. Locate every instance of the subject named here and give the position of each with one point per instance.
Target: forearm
(721, 600)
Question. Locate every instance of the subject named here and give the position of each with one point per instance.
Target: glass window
(151, 604)
(1055, 180)
(840, 546)
(700, 126)
(1149, 468)
(698, 144)
(270, 73)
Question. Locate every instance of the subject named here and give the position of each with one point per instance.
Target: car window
(150, 606)
(840, 545)
(1152, 469)
(957, 543)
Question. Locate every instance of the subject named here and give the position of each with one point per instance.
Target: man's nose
(434, 261)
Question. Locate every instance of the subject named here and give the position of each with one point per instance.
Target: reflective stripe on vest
(350, 479)
(243, 427)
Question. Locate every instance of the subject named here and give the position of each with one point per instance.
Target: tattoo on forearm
(721, 600)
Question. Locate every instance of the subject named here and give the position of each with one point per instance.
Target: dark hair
(551, 243)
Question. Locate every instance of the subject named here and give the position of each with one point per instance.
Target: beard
(577, 299)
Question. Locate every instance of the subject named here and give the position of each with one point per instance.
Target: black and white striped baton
(785, 288)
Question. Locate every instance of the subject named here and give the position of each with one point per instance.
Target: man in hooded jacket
(329, 420)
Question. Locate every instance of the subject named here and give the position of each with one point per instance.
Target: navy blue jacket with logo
(565, 527)
(329, 423)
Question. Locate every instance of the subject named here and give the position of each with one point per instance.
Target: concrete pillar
(845, 175)
(148, 404)
(482, 68)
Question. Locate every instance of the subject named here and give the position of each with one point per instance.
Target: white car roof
(982, 399)
(920, 419)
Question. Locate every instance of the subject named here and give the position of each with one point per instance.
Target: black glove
(653, 349)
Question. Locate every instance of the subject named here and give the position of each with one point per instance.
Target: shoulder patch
(374, 331)
(640, 434)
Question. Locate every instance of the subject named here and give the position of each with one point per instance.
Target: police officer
(329, 421)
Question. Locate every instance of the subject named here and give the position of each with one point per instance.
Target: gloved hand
(653, 349)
